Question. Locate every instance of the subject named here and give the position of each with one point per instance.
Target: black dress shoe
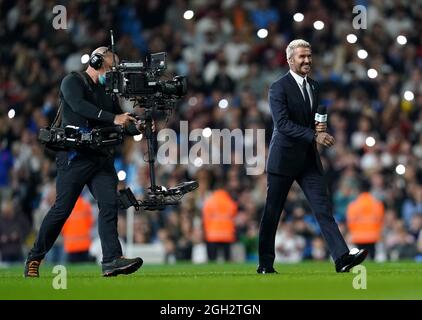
(121, 265)
(263, 270)
(348, 261)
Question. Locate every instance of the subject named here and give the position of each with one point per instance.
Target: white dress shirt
(299, 81)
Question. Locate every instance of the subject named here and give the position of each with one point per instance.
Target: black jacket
(88, 109)
(292, 142)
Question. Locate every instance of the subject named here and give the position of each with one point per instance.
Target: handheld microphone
(321, 114)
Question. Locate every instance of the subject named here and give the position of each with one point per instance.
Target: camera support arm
(151, 154)
(158, 196)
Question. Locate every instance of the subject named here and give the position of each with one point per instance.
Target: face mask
(102, 79)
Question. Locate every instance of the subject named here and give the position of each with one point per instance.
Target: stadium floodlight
(319, 25)
(262, 33)
(138, 137)
(189, 14)
(362, 54)
(11, 114)
(298, 17)
(351, 38)
(206, 132)
(198, 162)
(85, 58)
(192, 101)
(372, 73)
(370, 141)
(400, 169)
(121, 175)
(401, 40)
(223, 103)
(409, 95)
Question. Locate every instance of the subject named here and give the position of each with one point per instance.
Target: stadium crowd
(376, 121)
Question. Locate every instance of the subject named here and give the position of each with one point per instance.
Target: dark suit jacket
(292, 142)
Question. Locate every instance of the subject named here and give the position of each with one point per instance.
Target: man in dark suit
(293, 155)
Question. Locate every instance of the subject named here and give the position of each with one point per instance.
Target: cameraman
(86, 105)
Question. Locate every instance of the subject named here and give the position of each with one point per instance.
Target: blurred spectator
(184, 242)
(412, 204)
(319, 251)
(305, 226)
(56, 255)
(262, 15)
(288, 245)
(13, 231)
(199, 248)
(218, 213)
(6, 163)
(365, 219)
(250, 241)
(344, 195)
(416, 227)
(400, 244)
(142, 229)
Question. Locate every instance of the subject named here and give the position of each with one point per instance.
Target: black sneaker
(121, 265)
(349, 260)
(32, 269)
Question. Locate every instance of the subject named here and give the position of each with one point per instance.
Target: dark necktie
(305, 92)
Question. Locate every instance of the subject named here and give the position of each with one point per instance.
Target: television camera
(140, 82)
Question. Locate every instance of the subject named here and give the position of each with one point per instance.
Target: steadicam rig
(139, 82)
(158, 198)
(71, 137)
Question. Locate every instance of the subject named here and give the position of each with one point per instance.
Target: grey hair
(298, 43)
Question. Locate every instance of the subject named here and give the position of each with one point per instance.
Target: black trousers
(99, 175)
(315, 189)
(214, 247)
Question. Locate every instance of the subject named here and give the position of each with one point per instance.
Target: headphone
(97, 59)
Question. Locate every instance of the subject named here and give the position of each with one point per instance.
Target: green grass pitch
(308, 280)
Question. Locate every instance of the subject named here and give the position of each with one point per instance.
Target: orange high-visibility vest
(365, 219)
(77, 229)
(218, 213)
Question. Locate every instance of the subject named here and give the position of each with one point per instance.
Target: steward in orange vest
(365, 220)
(77, 232)
(219, 212)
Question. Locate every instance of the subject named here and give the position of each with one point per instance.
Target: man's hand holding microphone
(321, 136)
